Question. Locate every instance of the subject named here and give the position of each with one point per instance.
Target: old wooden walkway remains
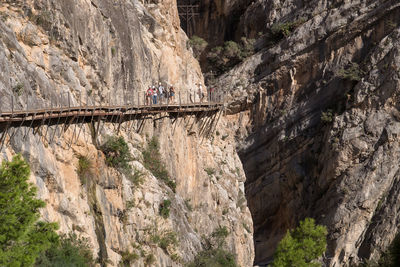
(39, 120)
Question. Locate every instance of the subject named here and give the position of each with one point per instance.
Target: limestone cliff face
(108, 52)
(322, 140)
(218, 20)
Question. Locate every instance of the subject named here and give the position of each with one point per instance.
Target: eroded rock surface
(108, 52)
(322, 100)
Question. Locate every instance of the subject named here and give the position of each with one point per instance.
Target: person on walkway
(161, 91)
(171, 94)
(211, 94)
(166, 94)
(154, 95)
(200, 92)
(149, 95)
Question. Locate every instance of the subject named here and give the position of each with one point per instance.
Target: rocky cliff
(311, 128)
(321, 98)
(108, 52)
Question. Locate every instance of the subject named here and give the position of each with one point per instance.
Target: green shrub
(327, 116)
(4, 16)
(117, 152)
(152, 161)
(118, 156)
(219, 235)
(163, 209)
(225, 211)
(247, 228)
(127, 258)
(198, 45)
(391, 24)
(283, 30)
(168, 239)
(209, 171)
(84, 167)
(214, 253)
(188, 205)
(394, 252)
(18, 89)
(223, 58)
(214, 257)
(22, 236)
(247, 47)
(232, 50)
(69, 251)
(130, 204)
(137, 176)
(149, 260)
(390, 258)
(176, 258)
(352, 73)
(223, 138)
(301, 246)
(44, 19)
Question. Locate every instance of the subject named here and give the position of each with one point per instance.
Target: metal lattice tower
(188, 10)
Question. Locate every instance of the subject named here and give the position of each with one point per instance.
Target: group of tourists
(160, 94)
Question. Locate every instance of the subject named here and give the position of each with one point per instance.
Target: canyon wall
(310, 129)
(321, 98)
(107, 52)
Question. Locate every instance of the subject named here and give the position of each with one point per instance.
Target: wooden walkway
(38, 119)
(87, 114)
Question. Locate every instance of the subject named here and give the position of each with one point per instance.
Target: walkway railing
(66, 111)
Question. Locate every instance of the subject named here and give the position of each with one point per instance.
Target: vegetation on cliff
(390, 258)
(198, 45)
(118, 156)
(117, 152)
(223, 58)
(152, 162)
(24, 239)
(302, 246)
(214, 253)
(22, 236)
(70, 250)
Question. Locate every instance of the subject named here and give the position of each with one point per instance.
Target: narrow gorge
(310, 125)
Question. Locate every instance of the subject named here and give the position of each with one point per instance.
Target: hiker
(160, 91)
(166, 94)
(171, 94)
(211, 94)
(200, 92)
(154, 95)
(149, 95)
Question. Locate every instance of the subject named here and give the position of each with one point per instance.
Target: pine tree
(302, 246)
(22, 236)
